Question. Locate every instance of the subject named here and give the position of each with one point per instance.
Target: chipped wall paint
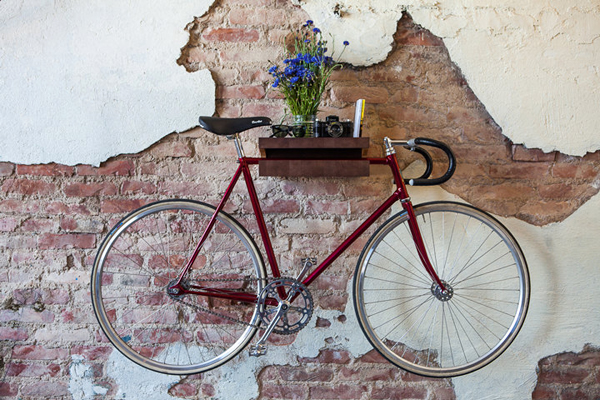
(84, 81)
(533, 64)
(133, 382)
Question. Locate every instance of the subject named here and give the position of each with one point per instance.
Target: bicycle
(180, 287)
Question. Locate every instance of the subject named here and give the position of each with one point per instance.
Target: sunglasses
(281, 131)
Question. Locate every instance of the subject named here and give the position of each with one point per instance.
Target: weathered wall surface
(533, 64)
(52, 217)
(82, 82)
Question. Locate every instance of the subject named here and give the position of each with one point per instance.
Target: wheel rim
(415, 326)
(171, 333)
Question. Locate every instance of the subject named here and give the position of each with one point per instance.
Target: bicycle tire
(406, 317)
(138, 259)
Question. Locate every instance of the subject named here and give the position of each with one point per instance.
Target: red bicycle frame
(399, 195)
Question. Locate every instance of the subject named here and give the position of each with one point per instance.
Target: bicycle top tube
(231, 127)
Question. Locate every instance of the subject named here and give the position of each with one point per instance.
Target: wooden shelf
(312, 157)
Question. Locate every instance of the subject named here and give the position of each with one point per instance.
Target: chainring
(300, 308)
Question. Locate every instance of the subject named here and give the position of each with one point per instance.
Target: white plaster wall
(533, 64)
(83, 81)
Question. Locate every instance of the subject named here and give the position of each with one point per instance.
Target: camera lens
(335, 129)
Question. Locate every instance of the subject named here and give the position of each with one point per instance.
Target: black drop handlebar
(423, 180)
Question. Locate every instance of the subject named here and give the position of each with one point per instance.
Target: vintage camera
(333, 127)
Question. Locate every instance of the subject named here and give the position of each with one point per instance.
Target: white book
(359, 112)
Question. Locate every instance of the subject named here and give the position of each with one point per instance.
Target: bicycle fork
(402, 195)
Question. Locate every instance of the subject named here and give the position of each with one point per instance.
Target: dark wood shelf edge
(313, 157)
(314, 143)
(313, 168)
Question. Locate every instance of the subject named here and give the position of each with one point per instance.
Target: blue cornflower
(346, 43)
(276, 83)
(316, 30)
(309, 22)
(273, 70)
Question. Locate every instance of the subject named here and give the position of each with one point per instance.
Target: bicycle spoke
(176, 332)
(419, 327)
(416, 277)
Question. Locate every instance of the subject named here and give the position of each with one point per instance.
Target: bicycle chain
(216, 314)
(227, 317)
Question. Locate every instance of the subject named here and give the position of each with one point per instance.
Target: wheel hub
(442, 295)
(175, 291)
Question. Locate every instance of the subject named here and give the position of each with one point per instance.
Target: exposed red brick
(330, 356)
(521, 153)
(13, 333)
(350, 94)
(121, 206)
(31, 296)
(172, 148)
(231, 35)
(137, 187)
(368, 374)
(241, 92)
(399, 393)
(303, 374)
(45, 170)
(418, 38)
(8, 389)
(334, 301)
(45, 389)
(338, 392)
(275, 206)
(373, 357)
(6, 168)
(35, 352)
(90, 189)
(287, 391)
(114, 167)
(32, 370)
(67, 241)
(28, 187)
(183, 390)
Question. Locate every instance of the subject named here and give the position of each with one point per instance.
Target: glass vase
(304, 125)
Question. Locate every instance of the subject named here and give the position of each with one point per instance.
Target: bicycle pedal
(307, 264)
(258, 350)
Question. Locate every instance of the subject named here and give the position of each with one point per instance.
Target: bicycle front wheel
(427, 331)
(143, 255)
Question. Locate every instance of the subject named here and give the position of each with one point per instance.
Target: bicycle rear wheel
(416, 326)
(143, 254)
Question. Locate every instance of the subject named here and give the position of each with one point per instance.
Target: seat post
(238, 145)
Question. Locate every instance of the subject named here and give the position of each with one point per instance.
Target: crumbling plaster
(530, 64)
(83, 81)
(534, 64)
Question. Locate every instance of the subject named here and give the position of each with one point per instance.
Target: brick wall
(569, 376)
(52, 217)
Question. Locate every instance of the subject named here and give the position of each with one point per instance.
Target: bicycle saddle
(229, 126)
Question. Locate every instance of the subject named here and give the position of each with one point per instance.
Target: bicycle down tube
(400, 194)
